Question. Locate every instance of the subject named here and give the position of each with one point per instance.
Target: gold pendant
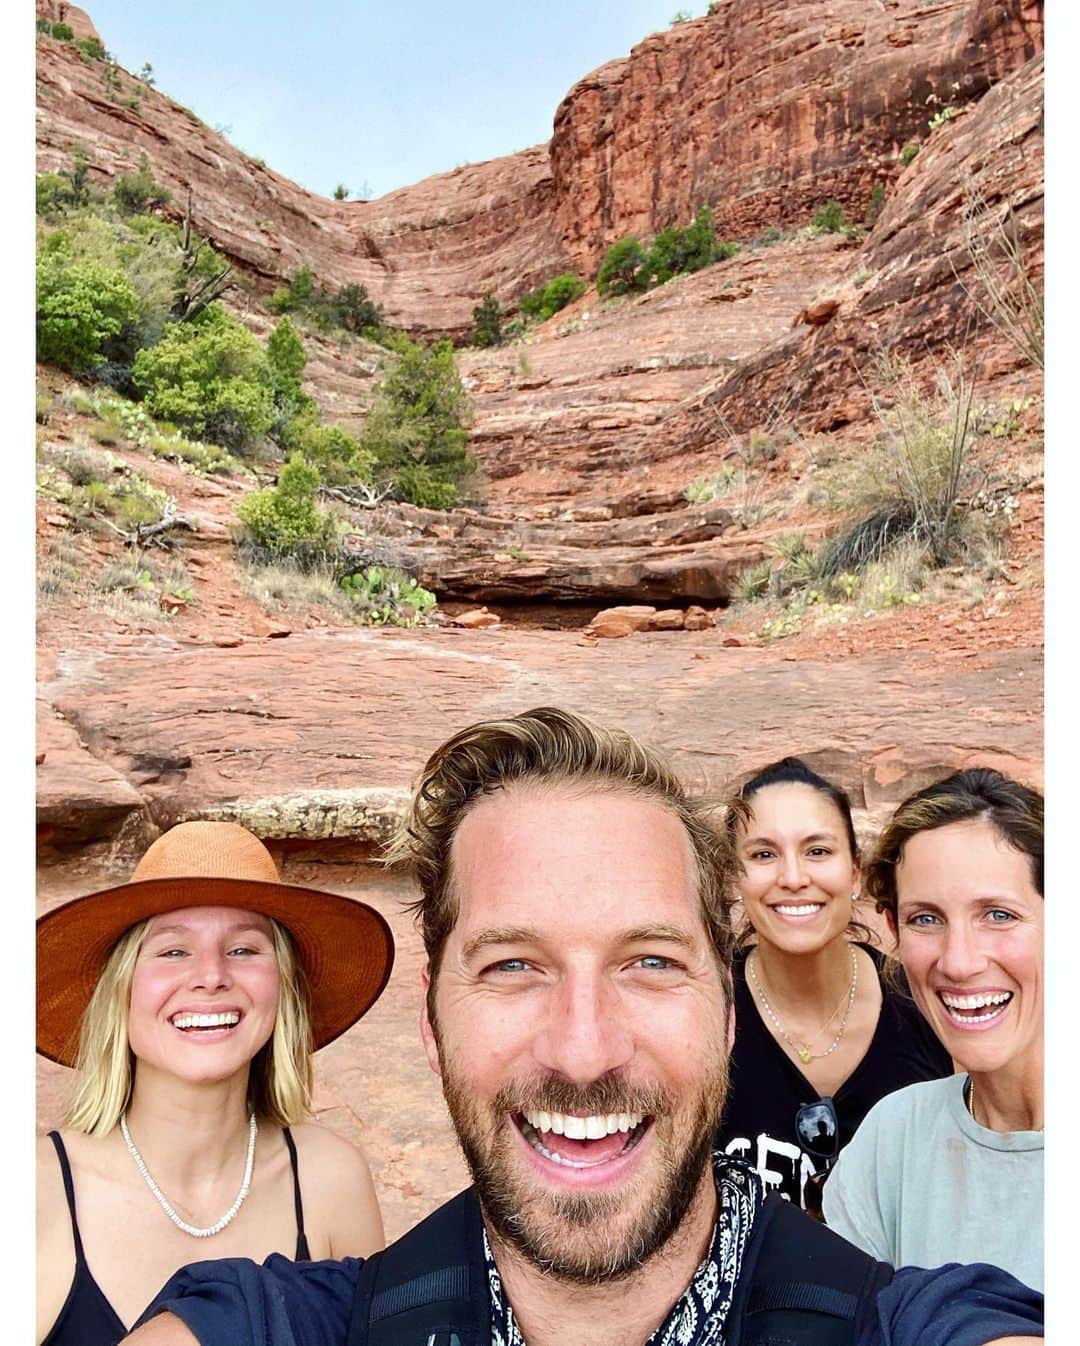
(805, 1054)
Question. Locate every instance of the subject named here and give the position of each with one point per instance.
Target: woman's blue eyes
(995, 916)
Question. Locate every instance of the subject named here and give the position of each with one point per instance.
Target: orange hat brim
(344, 946)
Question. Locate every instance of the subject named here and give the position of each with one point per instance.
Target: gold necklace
(971, 1105)
(804, 1050)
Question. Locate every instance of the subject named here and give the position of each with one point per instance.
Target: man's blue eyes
(926, 919)
(650, 961)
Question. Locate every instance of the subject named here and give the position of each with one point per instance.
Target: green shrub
(875, 205)
(623, 269)
(352, 309)
(908, 153)
(211, 378)
(420, 486)
(286, 360)
(93, 48)
(296, 295)
(44, 26)
(341, 192)
(285, 520)
(487, 322)
(383, 596)
(335, 454)
(676, 250)
(830, 218)
(545, 302)
(137, 193)
(53, 193)
(63, 32)
(84, 311)
(418, 421)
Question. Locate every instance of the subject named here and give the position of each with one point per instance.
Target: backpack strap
(430, 1288)
(802, 1284)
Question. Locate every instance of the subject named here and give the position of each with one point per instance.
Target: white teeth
(223, 1020)
(974, 1002)
(582, 1128)
(802, 909)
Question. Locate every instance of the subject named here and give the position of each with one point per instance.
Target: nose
(792, 874)
(583, 1035)
(962, 956)
(209, 970)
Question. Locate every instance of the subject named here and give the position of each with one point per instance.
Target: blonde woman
(190, 1001)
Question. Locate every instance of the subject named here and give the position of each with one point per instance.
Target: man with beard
(575, 912)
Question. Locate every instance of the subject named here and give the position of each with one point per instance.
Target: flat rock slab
(193, 727)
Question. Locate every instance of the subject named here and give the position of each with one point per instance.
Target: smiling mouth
(582, 1142)
(798, 910)
(205, 1023)
(977, 1007)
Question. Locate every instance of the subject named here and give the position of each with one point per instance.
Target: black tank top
(87, 1318)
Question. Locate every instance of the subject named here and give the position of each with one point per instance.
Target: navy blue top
(87, 1318)
(282, 1303)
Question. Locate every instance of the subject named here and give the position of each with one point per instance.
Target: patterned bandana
(698, 1317)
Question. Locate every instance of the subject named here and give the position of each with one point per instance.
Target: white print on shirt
(796, 1166)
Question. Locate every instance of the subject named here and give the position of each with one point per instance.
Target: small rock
(172, 603)
(611, 623)
(733, 642)
(817, 313)
(57, 520)
(39, 759)
(278, 631)
(476, 619)
(696, 619)
(670, 619)
(228, 642)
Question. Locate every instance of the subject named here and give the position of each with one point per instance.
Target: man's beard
(595, 1237)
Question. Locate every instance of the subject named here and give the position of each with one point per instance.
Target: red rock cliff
(766, 108)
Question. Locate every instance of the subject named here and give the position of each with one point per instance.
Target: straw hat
(345, 947)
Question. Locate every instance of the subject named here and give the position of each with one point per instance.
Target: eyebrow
(242, 927)
(668, 934)
(814, 836)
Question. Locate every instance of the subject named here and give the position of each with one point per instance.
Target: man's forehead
(615, 853)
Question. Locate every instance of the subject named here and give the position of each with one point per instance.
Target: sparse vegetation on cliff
(629, 267)
(349, 308)
(487, 322)
(545, 302)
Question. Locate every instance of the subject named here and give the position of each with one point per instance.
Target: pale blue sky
(375, 95)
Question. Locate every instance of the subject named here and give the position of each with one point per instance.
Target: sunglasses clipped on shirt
(818, 1130)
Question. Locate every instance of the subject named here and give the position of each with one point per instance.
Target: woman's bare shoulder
(338, 1191)
(320, 1150)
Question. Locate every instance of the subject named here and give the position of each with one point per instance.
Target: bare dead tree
(1009, 297)
(195, 292)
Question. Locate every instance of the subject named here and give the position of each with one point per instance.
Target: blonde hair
(280, 1079)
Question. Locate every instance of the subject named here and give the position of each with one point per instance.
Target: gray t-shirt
(922, 1183)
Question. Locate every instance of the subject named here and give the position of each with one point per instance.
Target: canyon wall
(762, 109)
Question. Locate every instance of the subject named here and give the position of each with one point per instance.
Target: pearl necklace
(163, 1200)
(803, 1049)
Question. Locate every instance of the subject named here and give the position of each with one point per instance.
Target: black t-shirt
(767, 1088)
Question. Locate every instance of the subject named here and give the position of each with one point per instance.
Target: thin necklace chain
(803, 1049)
(163, 1200)
(971, 1104)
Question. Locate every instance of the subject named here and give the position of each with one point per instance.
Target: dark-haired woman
(952, 1171)
(820, 1036)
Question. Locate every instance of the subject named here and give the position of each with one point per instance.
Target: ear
(427, 1032)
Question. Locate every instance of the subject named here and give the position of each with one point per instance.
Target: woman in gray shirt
(952, 1170)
